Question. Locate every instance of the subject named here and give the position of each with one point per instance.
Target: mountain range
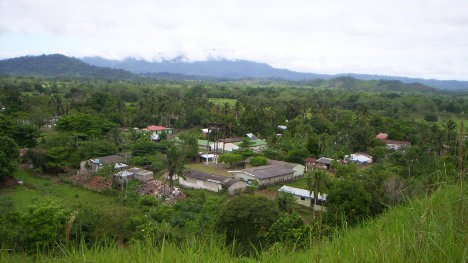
(57, 65)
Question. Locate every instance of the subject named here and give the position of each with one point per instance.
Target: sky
(413, 38)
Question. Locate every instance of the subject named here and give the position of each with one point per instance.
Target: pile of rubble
(158, 189)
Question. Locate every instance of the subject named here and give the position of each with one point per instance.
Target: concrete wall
(243, 176)
(299, 170)
(279, 179)
(144, 177)
(305, 202)
(237, 188)
(199, 184)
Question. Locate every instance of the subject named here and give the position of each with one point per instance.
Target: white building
(361, 158)
(215, 183)
(305, 197)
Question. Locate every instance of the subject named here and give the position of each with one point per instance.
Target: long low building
(215, 183)
(265, 174)
(305, 197)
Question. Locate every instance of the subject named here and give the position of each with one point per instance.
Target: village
(209, 172)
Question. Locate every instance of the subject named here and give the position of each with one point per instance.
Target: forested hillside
(58, 66)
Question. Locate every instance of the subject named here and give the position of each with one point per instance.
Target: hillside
(239, 69)
(424, 230)
(58, 66)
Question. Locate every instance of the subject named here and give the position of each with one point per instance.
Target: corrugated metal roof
(301, 192)
(268, 171)
(222, 180)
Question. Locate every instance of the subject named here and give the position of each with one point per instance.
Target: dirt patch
(158, 189)
(96, 183)
(267, 193)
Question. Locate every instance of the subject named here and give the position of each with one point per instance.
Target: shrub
(258, 161)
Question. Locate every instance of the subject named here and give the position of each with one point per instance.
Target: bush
(258, 161)
(246, 219)
(285, 201)
(45, 224)
(231, 158)
(431, 117)
(148, 200)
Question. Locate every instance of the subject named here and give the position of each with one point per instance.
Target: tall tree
(317, 182)
(175, 160)
(8, 156)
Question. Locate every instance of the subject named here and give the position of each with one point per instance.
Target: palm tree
(175, 160)
(317, 183)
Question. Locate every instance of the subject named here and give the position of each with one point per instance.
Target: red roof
(382, 136)
(156, 128)
(310, 160)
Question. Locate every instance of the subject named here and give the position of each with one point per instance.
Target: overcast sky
(415, 38)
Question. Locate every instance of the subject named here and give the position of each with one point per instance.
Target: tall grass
(424, 230)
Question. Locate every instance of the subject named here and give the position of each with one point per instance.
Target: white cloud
(408, 38)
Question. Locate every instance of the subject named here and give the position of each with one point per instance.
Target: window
(302, 198)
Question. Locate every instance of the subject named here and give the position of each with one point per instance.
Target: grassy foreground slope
(425, 230)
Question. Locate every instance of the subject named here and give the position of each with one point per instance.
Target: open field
(66, 195)
(202, 167)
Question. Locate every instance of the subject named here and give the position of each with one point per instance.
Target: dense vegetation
(58, 66)
(65, 121)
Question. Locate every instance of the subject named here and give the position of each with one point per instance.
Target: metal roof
(301, 192)
(268, 171)
(222, 180)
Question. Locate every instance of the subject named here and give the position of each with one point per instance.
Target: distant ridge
(240, 69)
(57, 65)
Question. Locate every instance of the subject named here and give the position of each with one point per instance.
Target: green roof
(203, 142)
(254, 143)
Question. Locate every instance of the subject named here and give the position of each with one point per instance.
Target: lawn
(68, 196)
(222, 101)
(210, 169)
(299, 183)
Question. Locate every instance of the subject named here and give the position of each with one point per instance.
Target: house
(215, 183)
(361, 158)
(392, 144)
(123, 176)
(265, 174)
(207, 157)
(205, 131)
(323, 163)
(382, 136)
(310, 163)
(305, 197)
(159, 129)
(396, 145)
(91, 166)
(297, 168)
